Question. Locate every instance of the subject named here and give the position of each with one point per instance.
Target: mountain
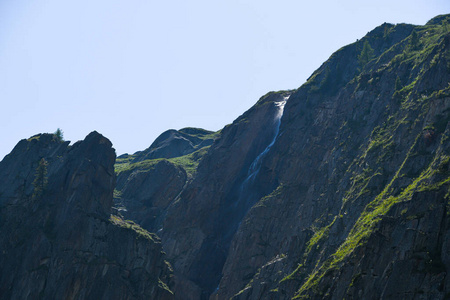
(58, 238)
(338, 189)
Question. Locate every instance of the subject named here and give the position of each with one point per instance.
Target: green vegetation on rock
(40, 179)
(188, 162)
(421, 51)
(366, 54)
(125, 164)
(117, 220)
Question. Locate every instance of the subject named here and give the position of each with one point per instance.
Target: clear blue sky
(133, 69)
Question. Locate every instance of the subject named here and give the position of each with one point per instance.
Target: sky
(133, 69)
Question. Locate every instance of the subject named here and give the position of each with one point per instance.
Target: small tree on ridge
(366, 54)
(59, 135)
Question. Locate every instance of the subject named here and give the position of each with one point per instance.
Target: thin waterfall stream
(245, 194)
(256, 164)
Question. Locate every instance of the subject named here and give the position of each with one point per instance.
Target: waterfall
(256, 164)
(246, 192)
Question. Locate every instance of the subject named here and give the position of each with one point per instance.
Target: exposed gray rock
(63, 243)
(146, 194)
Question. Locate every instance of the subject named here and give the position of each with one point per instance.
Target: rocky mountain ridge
(63, 243)
(339, 189)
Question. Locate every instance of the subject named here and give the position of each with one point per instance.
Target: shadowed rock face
(147, 194)
(356, 162)
(200, 226)
(62, 244)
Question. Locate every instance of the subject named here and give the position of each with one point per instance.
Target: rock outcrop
(59, 240)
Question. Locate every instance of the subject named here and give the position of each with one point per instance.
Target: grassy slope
(187, 162)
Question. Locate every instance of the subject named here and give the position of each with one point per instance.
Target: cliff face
(339, 189)
(58, 238)
(335, 198)
(144, 194)
(201, 224)
(360, 211)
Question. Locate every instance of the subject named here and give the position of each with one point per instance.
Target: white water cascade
(247, 192)
(256, 164)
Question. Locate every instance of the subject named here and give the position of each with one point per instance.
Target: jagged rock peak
(58, 238)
